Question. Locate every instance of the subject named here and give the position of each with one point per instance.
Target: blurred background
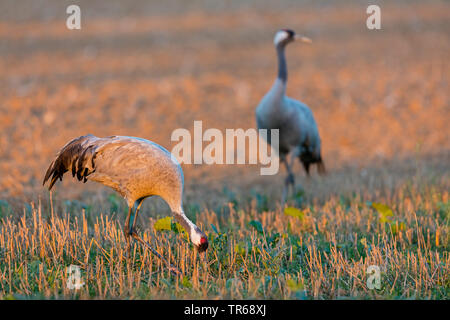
(144, 68)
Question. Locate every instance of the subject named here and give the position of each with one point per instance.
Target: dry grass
(376, 95)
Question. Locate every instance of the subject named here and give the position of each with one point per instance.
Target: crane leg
(126, 232)
(289, 181)
(133, 222)
(132, 233)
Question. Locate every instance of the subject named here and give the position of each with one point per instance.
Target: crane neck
(282, 65)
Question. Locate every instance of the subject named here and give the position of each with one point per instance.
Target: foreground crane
(298, 131)
(136, 168)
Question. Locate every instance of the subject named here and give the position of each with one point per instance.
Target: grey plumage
(136, 168)
(298, 132)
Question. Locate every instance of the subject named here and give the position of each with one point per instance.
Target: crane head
(285, 36)
(203, 244)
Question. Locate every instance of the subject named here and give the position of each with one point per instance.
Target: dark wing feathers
(77, 156)
(82, 163)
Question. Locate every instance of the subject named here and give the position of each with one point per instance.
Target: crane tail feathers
(307, 160)
(76, 156)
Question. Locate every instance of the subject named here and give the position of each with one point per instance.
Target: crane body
(135, 168)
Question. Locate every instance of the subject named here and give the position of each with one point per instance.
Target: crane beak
(304, 39)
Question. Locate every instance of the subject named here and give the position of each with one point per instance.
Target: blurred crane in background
(298, 131)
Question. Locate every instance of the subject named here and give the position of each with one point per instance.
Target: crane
(135, 168)
(298, 132)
